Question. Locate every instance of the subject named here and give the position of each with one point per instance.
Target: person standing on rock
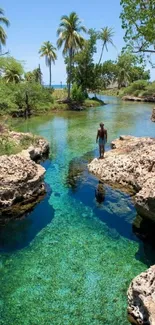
(101, 138)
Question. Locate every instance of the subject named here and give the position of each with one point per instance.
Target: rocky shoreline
(21, 178)
(131, 164)
(141, 298)
(153, 115)
(149, 99)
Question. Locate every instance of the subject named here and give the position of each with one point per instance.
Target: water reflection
(100, 193)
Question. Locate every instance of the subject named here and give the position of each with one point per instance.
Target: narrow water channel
(70, 260)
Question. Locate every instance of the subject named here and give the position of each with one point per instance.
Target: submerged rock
(141, 298)
(153, 115)
(131, 163)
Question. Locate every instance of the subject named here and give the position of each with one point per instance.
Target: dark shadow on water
(18, 233)
(113, 207)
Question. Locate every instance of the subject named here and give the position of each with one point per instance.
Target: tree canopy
(138, 19)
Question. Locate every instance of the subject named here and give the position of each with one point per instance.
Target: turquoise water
(72, 259)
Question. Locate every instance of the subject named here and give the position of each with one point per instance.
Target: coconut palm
(48, 51)
(12, 75)
(70, 38)
(105, 36)
(3, 21)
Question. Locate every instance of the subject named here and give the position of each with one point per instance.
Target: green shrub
(136, 88)
(15, 97)
(150, 91)
(77, 94)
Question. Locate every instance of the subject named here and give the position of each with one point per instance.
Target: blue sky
(36, 21)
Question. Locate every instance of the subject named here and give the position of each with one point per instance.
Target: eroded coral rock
(20, 179)
(131, 163)
(153, 115)
(141, 298)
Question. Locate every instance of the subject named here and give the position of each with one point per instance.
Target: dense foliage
(140, 88)
(138, 20)
(24, 98)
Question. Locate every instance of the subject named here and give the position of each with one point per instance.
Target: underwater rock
(153, 115)
(131, 164)
(141, 298)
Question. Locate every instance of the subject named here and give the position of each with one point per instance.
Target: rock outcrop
(153, 115)
(141, 298)
(131, 163)
(39, 146)
(150, 99)
(21, 178)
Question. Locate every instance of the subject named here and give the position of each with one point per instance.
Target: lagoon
(70, 260)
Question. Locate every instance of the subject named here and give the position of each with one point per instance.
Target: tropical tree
(3, 35)
(138, 20)
(11, 69)
(70, 38)
(48, 51)
(84, 63)
(11, 75)
(106, 36)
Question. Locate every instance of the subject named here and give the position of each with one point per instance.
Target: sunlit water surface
(70, 261)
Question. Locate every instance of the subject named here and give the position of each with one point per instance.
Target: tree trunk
(101, 54)
(50, 71)
(70, 72)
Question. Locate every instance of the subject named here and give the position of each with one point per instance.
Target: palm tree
(11, 75)
(69, 37)
(49, 51)
(3, 21)
(105, 36)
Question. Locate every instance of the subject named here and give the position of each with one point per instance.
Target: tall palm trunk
(50, 71)
(70, 72)
(101, 54)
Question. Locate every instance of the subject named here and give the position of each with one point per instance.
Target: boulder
(21, 179)
(153, 115)
(141, 298)
(131, 163)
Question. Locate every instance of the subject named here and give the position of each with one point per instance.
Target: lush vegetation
(138, 20)
(22, 93)
(139, 88)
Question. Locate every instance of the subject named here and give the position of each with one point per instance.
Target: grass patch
(95, 102)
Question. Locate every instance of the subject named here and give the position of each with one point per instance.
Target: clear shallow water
(74, 260)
